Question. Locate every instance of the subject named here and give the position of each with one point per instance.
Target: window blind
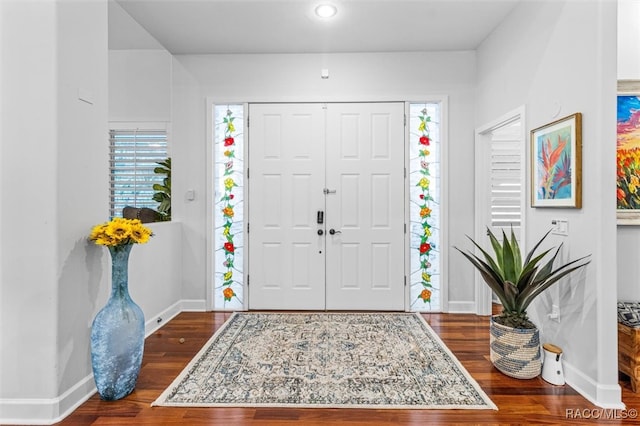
(133, 157)
(506, 184)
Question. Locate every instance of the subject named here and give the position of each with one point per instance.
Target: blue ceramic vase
(117, 334)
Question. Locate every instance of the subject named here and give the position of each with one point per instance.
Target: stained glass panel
(228, 207)
(425, 182)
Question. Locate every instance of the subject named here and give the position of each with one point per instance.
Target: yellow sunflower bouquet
(119, 232)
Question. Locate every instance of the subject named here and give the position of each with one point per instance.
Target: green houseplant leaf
(163, 192)
(517, 282)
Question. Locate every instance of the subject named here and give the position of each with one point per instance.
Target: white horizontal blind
(506, 183)
(133, 156)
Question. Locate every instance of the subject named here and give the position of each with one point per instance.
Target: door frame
(443, 100)
(483, 294)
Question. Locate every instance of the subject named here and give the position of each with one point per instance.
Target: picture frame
(556, 163)
(627, 153)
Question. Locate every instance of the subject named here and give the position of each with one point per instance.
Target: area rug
(322, 360)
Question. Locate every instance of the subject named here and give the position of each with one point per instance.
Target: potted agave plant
(517, 281)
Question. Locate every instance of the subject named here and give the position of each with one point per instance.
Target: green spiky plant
(514, 281)
(163, 194)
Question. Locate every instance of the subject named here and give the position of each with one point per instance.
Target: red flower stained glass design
(424, 186)
(228, 209)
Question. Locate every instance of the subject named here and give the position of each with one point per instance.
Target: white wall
(140, 92)
(28, 307)
(81, 135)
(140, 85)
(296, 78)
(628, 39)
(531, 60)
(54, 182)
(155, 274)
(628, 241)
(53, 54)
(189, 161)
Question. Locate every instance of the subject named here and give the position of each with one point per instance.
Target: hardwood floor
(519, 401)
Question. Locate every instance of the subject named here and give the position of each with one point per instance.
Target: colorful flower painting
(628, 153)
(556, 163)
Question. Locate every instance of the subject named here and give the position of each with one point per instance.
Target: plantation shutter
(506, 184)
(133, 156)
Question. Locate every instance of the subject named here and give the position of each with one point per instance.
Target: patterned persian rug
(321, 360)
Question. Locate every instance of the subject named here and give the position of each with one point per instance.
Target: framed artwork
(628, 153)
(556, 163)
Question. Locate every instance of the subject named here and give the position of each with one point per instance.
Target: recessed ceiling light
(326, 10)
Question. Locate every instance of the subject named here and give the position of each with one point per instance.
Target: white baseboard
(157, 321)
(194, 305)
(42, 411)
(605, 396)
(47, 411)
(454, 307)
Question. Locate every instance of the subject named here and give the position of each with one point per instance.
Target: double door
(326, 206)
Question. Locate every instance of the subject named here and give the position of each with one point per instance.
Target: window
(425, 204)
(133, 157)
(507, 176)
(228, 154)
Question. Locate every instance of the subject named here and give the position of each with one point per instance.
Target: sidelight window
(228, 206)
(424, 204)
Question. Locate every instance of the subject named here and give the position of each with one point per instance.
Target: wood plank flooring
(519, 401)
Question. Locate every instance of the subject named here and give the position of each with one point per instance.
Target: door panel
(365, 168)
(286, 181)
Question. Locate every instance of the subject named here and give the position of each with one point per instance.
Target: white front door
(346, 161)
(365, 206)
(286, 181)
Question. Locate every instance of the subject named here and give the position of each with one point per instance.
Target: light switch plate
(560, 227)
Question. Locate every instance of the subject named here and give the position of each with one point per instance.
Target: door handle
(333, 231)
(320, 232)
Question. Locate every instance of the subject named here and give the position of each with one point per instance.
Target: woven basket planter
(515, 351)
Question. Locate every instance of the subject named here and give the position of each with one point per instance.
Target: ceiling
(290, 26)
